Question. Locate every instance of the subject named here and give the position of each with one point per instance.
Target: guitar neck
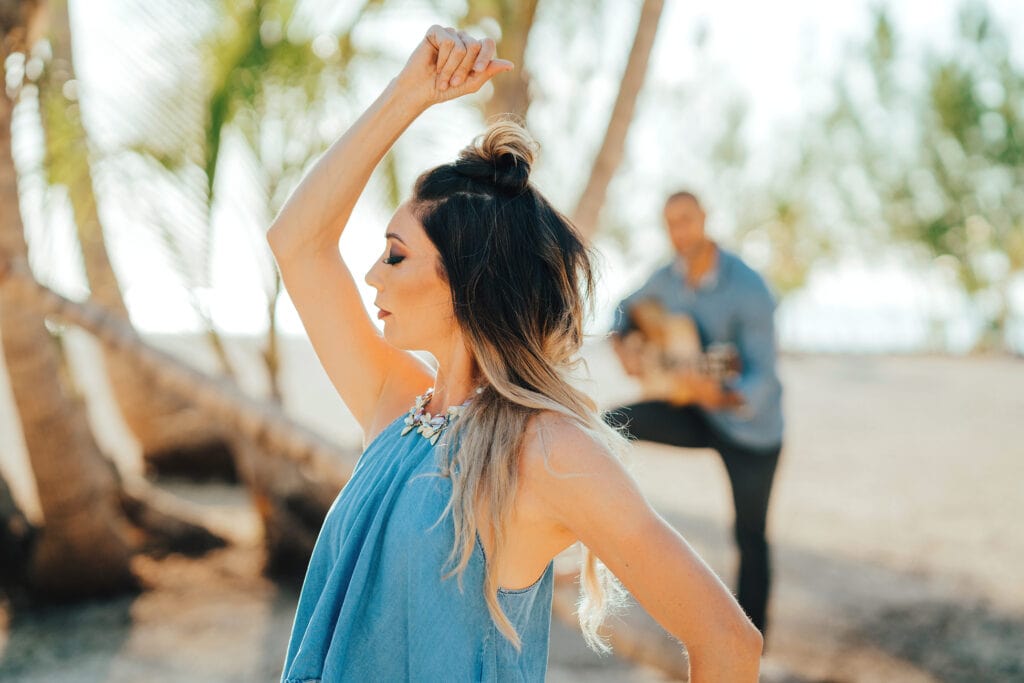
(713, 364)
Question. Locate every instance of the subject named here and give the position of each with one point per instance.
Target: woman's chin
(394, 339)
(402, 341)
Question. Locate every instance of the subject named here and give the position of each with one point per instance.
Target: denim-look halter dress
(373, 605)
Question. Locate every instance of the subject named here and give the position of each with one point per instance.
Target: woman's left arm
(585, 489)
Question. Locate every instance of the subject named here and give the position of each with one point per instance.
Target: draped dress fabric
(374, 606)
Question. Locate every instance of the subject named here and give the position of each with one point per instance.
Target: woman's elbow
(746, 648)
(753, 641)
(281, 239)
(287, 246)
(288, 243)
(734, 655)
(745, 638)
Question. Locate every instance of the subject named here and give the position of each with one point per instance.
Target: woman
(435, 560)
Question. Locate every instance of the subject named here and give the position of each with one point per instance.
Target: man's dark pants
(751, 472)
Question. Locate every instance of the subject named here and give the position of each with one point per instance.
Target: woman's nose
(372, 276)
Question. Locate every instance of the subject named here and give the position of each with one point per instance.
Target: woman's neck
(456, 379)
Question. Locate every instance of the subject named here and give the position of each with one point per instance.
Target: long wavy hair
(521, 282)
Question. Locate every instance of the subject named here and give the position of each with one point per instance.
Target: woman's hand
(448, 64)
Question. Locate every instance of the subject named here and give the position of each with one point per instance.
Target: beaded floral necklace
(431, 426)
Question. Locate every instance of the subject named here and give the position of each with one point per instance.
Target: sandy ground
(896, 525)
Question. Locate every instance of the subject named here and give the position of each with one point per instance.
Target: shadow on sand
(82, 639)
(843, 608)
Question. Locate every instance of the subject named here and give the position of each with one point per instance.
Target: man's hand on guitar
(629, 348)
(665, 353)
(704, 390)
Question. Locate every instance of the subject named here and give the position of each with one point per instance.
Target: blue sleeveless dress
(373, 606)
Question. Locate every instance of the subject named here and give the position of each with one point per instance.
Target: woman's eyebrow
(391, 234)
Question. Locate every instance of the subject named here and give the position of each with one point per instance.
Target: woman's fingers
(443, 40)
(493, 68)
(468, 61)
(476, 79)
(450, 59)
(460, 63)
(487, 52)
(436, 35)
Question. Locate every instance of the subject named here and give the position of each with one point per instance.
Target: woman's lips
(381, 314)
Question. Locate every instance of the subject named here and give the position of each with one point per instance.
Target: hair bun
(502, 155)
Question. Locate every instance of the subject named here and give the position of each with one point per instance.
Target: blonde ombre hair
(521, 281)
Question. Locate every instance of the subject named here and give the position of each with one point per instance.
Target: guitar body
(665, 348)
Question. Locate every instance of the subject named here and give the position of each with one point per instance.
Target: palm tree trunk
(83, 548)
(512, 92)
(171, 433)
(609, 157)
(272, 351)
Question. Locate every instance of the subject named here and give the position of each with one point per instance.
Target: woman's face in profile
(414, 302)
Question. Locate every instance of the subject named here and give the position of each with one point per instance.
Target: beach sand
(898, 552)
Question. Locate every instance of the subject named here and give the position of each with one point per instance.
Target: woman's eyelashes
(393, 259)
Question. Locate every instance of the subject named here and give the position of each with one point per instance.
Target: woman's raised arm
(304, 235)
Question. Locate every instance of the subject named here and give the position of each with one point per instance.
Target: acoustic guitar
(664, 347)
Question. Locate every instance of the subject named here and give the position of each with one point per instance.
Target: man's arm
(756, 345)
(622, 325)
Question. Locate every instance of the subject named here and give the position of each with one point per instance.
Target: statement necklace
(431, 426)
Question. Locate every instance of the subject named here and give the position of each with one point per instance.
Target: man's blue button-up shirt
(730, 304)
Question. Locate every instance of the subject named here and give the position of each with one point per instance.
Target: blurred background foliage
(931, 147)
(919, 149)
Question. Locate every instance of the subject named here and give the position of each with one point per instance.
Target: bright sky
(770, 51)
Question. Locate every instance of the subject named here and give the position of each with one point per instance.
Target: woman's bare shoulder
(557, 445)
(571, 476)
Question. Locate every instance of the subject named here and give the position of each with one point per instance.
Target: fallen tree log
(293, 473)
(168, 525)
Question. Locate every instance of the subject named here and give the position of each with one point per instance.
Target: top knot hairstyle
(521, 280)
(503, 155)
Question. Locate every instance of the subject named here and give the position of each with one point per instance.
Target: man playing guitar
(692, 401)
